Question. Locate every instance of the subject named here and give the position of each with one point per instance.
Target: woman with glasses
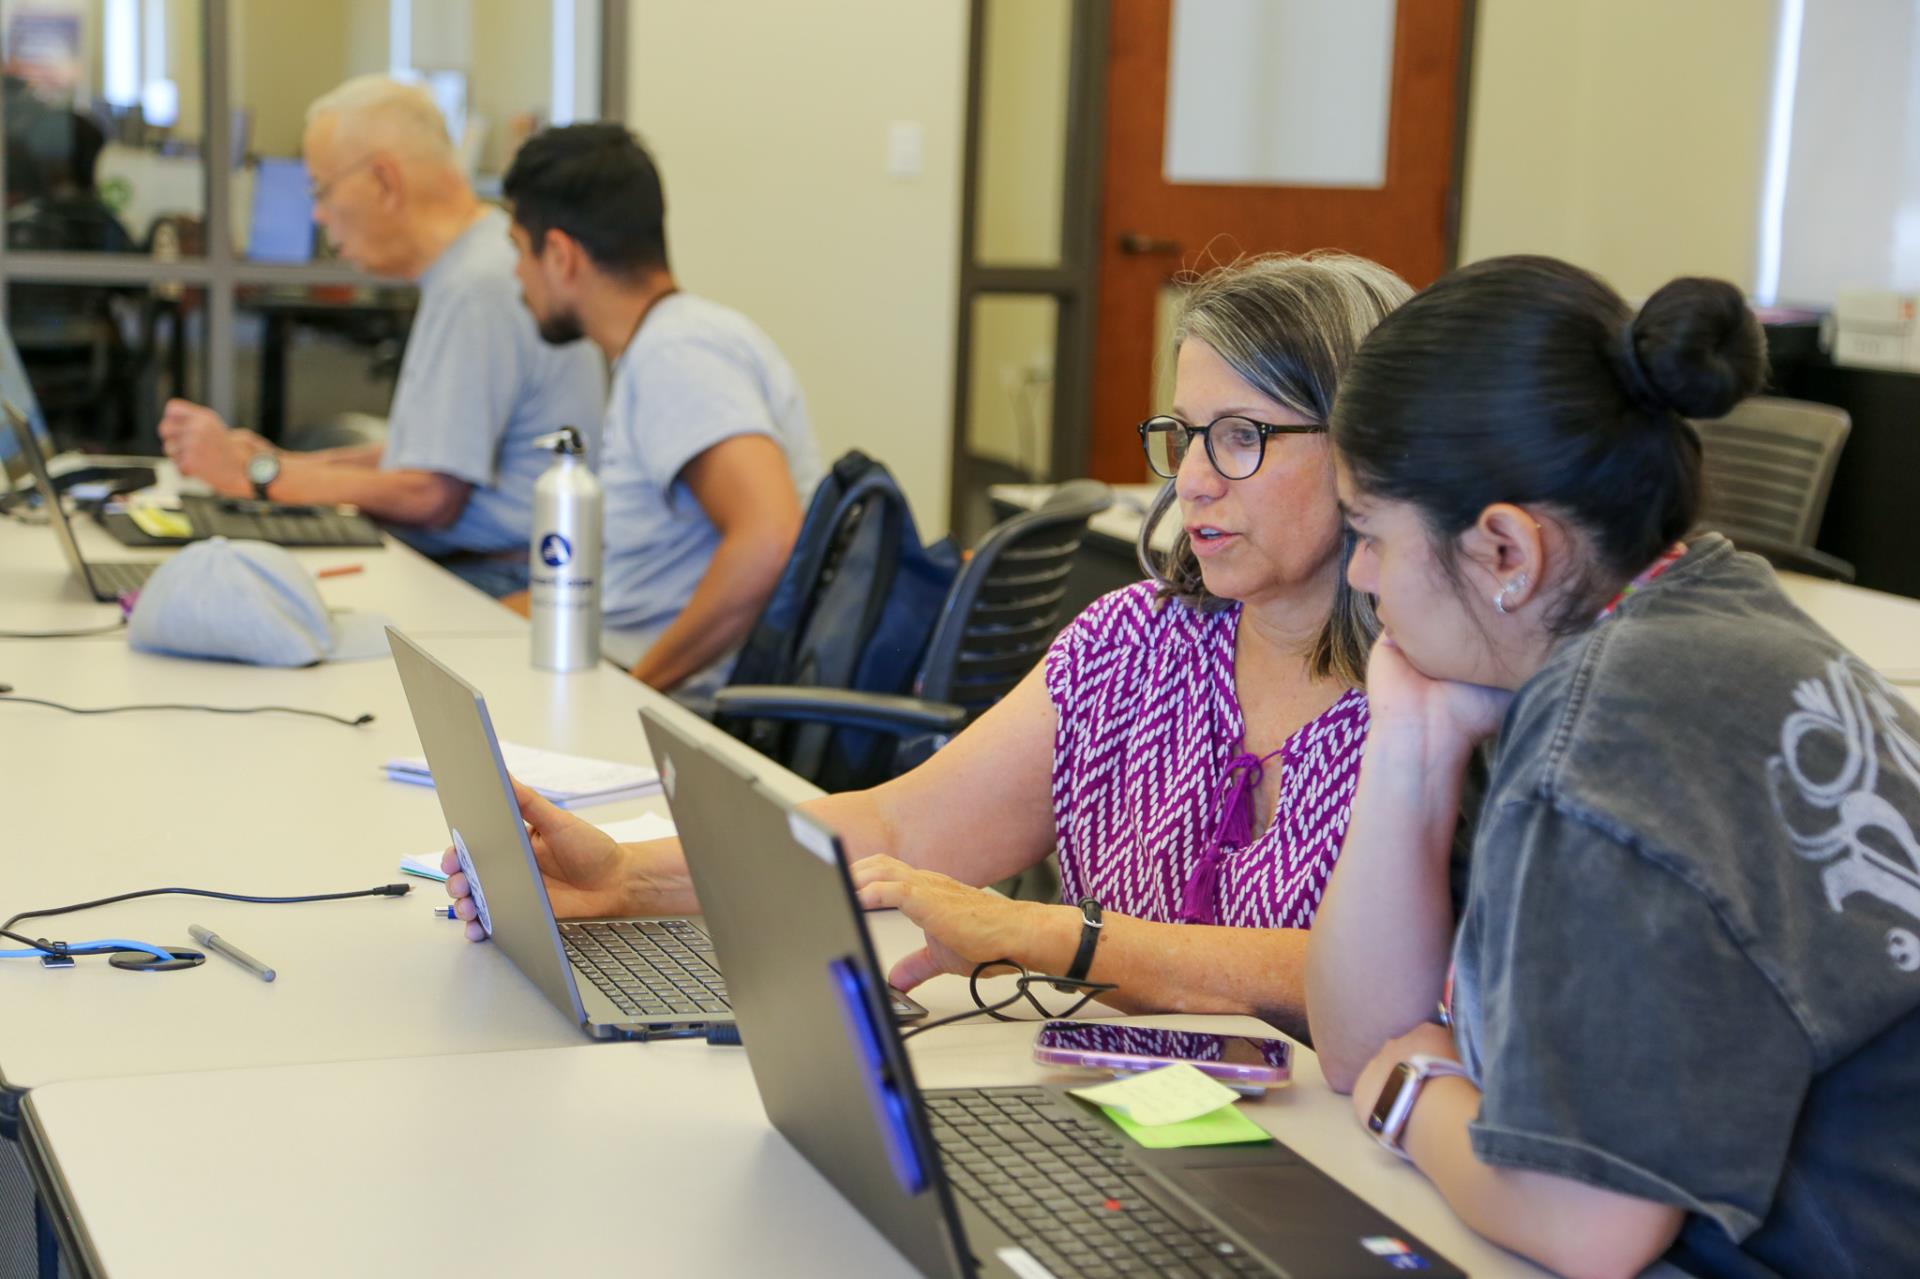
(1681, 1006)
(1190, 744)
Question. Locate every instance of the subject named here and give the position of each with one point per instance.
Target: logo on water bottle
(555, 550)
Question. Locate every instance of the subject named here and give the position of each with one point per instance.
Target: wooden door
(1152, 229)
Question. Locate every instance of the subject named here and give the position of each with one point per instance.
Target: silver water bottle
(564, 558)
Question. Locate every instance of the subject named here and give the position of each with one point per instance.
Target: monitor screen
(15, 388)
(281, 229)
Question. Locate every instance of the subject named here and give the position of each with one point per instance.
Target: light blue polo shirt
(694, 374)
(478, 385)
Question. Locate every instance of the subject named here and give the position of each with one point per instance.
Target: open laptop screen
(281, 228)
(16, 390)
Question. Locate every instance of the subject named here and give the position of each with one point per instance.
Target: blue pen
(445, 912)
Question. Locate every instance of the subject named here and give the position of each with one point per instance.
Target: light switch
(905, 149)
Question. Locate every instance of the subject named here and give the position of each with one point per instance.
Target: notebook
(571, 781)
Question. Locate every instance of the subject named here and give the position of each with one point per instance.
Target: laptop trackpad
(1292, 1212)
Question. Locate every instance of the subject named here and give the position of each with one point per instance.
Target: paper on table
(1169, 1095)
(1223, 1127)
(633, 830)
(567, 780)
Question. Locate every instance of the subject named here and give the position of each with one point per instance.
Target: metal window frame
(1073, 284)
(220, 273)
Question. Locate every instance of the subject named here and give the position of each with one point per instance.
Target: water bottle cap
(565, 440)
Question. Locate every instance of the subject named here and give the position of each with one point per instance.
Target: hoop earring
(1516, 583)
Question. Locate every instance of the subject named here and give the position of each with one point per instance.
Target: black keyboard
(649, 967)
(283, 524)
(1059, 1183)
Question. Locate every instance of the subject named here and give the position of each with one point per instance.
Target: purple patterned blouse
(1149, 724)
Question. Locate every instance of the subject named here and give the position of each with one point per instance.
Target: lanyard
(1668, 558)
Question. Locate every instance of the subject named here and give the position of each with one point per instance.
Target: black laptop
(1026, 1182)
(249, 519)
(106, 580)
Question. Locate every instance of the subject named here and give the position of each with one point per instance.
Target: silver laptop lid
(470, 779)
(29, 446)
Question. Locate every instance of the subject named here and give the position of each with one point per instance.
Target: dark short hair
(1528, 380)
(596, 183)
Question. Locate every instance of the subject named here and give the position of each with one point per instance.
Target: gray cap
(245, 602)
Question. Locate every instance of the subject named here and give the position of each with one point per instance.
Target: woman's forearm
(1184, 968)
(1568, 1226)
(1378, 951)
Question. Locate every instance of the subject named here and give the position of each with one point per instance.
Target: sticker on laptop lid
(811, 837)
(1021, 1262)
(1394, 1252)
(473, 884)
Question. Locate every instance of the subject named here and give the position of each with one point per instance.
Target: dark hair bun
(1698, 348)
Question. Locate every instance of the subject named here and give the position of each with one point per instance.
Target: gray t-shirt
(694, 374)
(1688, 969)
(477, 385)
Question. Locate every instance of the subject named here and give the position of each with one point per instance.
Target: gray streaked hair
(1288, 325)
(377, 112)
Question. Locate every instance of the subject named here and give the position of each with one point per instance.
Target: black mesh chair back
(1009, 601)
(1767, 467)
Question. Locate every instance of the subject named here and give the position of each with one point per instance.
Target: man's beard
(561, 328)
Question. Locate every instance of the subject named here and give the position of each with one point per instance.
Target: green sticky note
(1223, 1127)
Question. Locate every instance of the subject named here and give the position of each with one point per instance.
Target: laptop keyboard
(117, 577)
(282, 524)
(1063, 1188)
(648, 967)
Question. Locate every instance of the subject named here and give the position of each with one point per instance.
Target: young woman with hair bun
(1677, 1013)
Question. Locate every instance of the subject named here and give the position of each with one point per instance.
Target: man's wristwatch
(1089, 938)
(1394, 1106)
(263, 468)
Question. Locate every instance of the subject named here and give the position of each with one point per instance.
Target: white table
(571, 1160)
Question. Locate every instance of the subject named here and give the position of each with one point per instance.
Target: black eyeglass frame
(1267, 431)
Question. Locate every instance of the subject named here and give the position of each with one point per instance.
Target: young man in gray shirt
(709, 454)
(455, 476)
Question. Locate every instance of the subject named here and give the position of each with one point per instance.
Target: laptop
(280, 228)
(102, 474)
(639, 978)
(1024, 1182)
(107, 581)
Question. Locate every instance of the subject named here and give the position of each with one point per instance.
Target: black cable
(1021, 991)
(7, 695)
(385, 890)
(93, 630)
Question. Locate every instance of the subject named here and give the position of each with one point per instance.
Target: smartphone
(1239, 1061)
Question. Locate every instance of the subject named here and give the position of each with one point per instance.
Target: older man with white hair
(455, 476)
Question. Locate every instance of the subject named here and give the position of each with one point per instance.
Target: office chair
(1002, 611)
(1767, 467)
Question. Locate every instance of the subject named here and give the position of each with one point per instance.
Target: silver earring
(1517, 583)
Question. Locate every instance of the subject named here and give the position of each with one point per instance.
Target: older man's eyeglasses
(1235, 445)
(319, 192)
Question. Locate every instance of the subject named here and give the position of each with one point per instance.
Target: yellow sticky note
(1169, 1095)
(1223, 1127)
(158, 521)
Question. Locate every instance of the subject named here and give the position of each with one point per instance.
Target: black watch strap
(1090, 922)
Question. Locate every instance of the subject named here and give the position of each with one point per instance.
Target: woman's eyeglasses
(1235, 445)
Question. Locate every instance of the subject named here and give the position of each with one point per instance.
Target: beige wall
(1625, 135)
(769, 120)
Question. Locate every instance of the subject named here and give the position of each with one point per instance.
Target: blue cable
(104, 946)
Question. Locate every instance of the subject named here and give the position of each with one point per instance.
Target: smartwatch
(263, 468)
(1089, 938)
(1394, 1106)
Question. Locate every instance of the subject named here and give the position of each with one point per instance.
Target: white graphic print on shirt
(1839, 814)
